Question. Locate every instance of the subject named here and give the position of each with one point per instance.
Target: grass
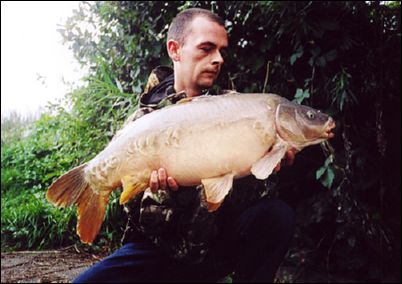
(29, 222)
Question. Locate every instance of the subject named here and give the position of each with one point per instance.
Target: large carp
(208, 140)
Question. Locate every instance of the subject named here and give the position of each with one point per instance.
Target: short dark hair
(178, 29)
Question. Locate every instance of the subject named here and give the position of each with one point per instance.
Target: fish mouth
(328, 128)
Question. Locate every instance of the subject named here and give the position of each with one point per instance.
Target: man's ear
(173, 48)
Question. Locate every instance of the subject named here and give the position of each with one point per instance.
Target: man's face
(201, 54)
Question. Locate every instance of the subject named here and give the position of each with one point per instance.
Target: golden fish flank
(204, 140)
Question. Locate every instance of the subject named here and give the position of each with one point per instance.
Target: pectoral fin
(216, 189)
(131, 187)
(264, 166)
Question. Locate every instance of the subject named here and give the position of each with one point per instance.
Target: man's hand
(160, 180)
(287, 160)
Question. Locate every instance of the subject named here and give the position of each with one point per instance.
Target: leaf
(119, 85)
(329, 178)
(321, 62)
(331, 55)
(293, 58)
(301, 95)
(326, 174)
(320, 172)
(296, 55)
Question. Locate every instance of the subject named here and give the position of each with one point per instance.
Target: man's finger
(277, 168)
(172, 184)
(153, 181)
(162, 178)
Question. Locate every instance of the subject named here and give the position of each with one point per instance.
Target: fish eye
(310, 114)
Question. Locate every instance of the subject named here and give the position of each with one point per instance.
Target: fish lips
(330, 125)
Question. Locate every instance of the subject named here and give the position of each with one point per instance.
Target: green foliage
(29, 222)
(63, 137)
(326, 173)
(127, 36)
(341, 57)
(301, 95)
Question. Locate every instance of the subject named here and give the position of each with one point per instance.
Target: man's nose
(217, 59)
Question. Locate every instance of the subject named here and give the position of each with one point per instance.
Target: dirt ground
(55, 266)
(62, 266)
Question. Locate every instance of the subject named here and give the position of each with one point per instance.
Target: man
(170, 234)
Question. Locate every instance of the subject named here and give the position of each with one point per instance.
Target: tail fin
(72, 189)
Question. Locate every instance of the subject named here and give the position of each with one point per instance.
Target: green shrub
(28, 221)
(59, 140)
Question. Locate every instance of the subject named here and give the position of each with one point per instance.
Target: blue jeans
(252, 245)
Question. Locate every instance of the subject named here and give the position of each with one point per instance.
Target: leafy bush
(59, 140)
(29, 221)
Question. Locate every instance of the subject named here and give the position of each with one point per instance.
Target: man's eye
(206, 49)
